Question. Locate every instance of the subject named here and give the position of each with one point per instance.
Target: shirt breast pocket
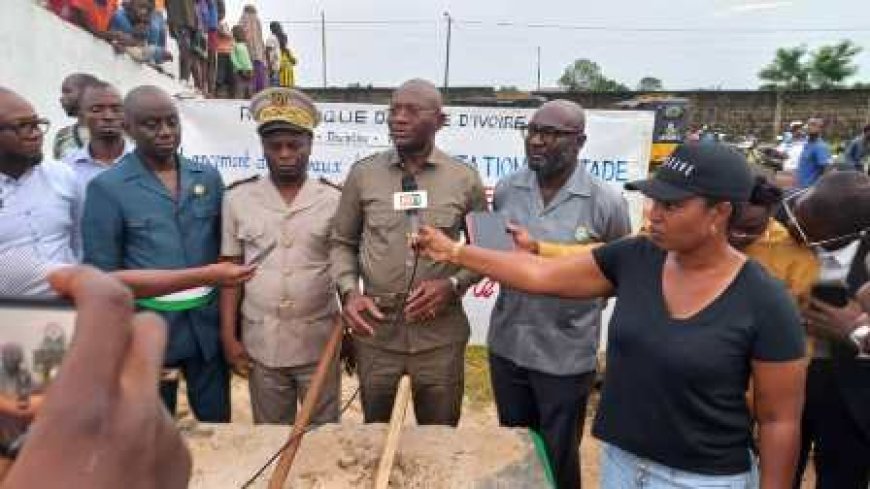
(253, 235)
(205, 212)
(443, 219)
(382, 222)
(139, 229)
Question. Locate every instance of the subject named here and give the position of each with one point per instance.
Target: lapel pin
(582, 234)
(199, 190)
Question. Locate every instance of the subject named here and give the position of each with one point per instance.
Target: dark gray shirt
(549, 334)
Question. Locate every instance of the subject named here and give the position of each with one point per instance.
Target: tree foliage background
(795, 68)
(584, 75)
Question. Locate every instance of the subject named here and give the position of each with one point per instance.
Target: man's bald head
(80, 79)
(561, 114)
(20, 148)
(152, 121)
(10, 98)
(415, 116)
(554, 138)
(424, 91)
(145, 97)
(71, 91)
(838, 204)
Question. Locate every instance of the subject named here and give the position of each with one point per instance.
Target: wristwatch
(454, 282)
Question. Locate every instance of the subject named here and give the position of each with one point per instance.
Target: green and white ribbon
(179, 301)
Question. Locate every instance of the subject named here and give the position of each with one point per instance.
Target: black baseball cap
(705, 169)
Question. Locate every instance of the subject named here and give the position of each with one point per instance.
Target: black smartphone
(34, 337)
(831, 293)
(489, 230)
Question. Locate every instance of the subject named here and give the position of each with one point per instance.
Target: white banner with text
(222, 134)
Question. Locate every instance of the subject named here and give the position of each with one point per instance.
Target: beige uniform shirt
(369, 242)
(288, 306)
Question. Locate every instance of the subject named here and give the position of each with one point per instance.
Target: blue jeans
(622, 470)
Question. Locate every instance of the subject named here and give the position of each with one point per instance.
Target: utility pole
(447, 55)
(539, 68)
(323, 44)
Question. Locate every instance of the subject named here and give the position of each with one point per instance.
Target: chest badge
(199, 190)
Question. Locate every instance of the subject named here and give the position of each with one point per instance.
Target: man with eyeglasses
(833, 218)
(39, 203)
(543, 350)
(423, 335)
(40, 213)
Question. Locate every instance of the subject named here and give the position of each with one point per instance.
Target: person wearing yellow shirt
(754, 231)
(523, 240)
(764, 239)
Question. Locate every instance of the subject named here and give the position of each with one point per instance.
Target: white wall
(37, 50)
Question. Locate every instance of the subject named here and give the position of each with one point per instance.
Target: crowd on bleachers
(217, 59)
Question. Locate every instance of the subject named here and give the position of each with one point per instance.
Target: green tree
(584, 75)
(830, 66)
(787, 70)
(649, 84)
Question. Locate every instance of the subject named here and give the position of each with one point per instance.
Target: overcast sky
(688, 44)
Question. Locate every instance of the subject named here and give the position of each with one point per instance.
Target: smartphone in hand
(34, 337)
(489, 230)
(831, 293)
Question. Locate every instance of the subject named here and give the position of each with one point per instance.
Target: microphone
(409, 184)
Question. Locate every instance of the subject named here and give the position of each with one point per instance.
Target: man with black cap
(694, 321)
(289, 307)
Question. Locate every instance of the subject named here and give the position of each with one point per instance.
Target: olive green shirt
(369, 242)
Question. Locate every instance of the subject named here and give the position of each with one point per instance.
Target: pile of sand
(346, 456)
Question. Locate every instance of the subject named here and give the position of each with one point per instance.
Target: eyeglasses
(787, 204)
(25, 128)
(548, 134)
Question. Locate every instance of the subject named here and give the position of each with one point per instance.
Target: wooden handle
(397, 419)
(288, 454)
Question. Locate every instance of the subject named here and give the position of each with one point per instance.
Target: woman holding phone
(693, 323)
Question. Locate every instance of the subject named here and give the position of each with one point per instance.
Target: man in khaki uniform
(370, 242)
(289, 307)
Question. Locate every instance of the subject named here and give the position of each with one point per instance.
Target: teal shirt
(132, 222)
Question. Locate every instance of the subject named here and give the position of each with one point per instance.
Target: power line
(581, 27)
(736, 30)
(364, 22)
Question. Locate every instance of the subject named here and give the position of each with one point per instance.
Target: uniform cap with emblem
(710, 170)
(278, 108)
